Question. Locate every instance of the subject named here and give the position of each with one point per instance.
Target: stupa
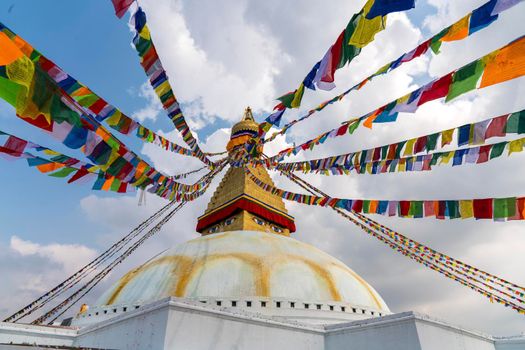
(246, 259)
(246, 283)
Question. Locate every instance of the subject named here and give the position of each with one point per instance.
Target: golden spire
(238, 203)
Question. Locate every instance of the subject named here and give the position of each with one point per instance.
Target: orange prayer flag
(81, 91)
(458, 30)
(23, 46)
(9, 52)
(368, 122)
(107, 184)
(509, 63)
(46, 168)
(373, 206)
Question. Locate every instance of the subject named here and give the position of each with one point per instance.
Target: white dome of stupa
(246, 265)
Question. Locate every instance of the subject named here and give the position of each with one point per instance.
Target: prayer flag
(516, 123)
(458, 30)
(10, 52)
(496, 127)
(482, 208)
(438, 89)
(465, 79)
(384, 7)
(121, 6)
(482, 17)
(366, 28)
(509, 63)
(466, 209)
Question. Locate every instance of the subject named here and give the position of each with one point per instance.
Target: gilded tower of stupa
(238, 203)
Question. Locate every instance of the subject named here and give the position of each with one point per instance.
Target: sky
(224, 56)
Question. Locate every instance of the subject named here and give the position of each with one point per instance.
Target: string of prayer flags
(511, 208)
(62, 166)
(101, 110)
(449, 267)
(40, 102)
(402, 156)
(359, 163)
(457, 31)
(511, 58)
(150, 62)
(359, 32)
(400, 241)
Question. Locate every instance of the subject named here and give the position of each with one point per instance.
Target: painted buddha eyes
(258, 221)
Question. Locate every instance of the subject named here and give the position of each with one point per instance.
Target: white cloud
(222, 56)
(70, 256)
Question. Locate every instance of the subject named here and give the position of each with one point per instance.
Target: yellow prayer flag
(446, 137)
(446, 157)
(296, 102)
(366, 29)
(466, 209)
(163, 88)
(145, 33)
(50, 152)
(516, 146)
(409, 147)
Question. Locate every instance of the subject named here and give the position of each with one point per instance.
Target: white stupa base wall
(174, 324)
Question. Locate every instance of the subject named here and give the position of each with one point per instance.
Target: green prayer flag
(453, 209)
(516, 123)
(504, 207)
(384, 151)
(86, 100)
(353, 126)
(349, 52)
(399, 148)
(287, 99)
(115, 185)
(416, 209)
(432, 142)
(435, 43)
(9, 91)
(366, 206)
(63, 172)
(497, 149)
(465, 79)
(435, 158)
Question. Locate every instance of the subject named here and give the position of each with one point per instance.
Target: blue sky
(90, 43)
(221, 58)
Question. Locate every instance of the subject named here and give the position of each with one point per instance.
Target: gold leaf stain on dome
(262, 266)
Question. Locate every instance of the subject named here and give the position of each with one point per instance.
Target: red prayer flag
(14, 146)
(122, 188)
(335, 55)
(377, 154)
(404, 208)
(421, 49)
(421, 142)
(342, 130)
(437, 90)
(358, 206)
(80, 173)
(497, 127)
(483, 208)
(121, 6)
(483, 155)
(429, 208)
